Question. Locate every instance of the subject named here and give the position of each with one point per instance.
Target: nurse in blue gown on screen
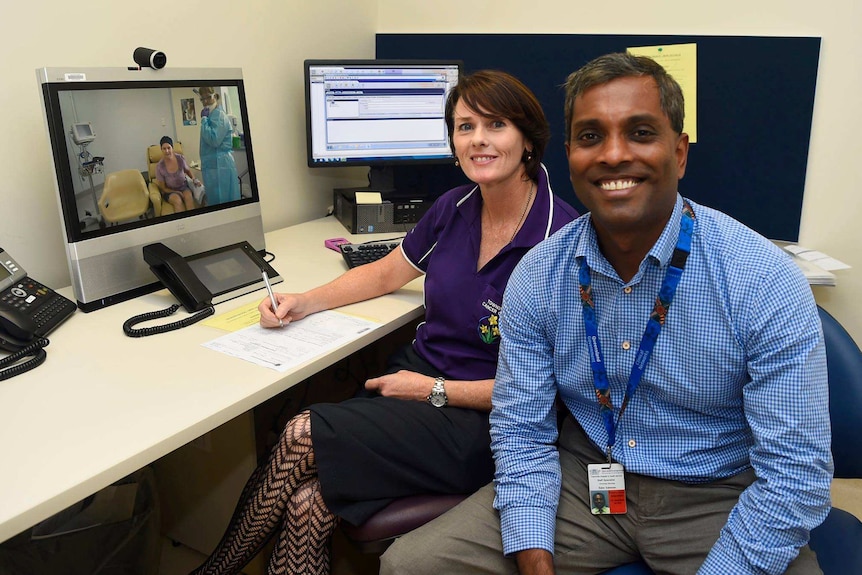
(217, 163)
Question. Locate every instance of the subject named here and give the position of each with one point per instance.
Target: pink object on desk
(333, 243)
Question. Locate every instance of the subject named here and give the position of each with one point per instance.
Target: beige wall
(269, 39)
(832, 211)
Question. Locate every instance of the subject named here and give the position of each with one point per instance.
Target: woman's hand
(291, 307)
(415, 386)
(402, 385)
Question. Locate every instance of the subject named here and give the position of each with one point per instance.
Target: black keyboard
(360, 254)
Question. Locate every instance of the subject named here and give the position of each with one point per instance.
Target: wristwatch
(438, 397)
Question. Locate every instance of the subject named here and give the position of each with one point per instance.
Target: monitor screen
(377, 112)
(144, 156)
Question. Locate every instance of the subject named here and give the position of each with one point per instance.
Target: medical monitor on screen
(120, 187)
(82, 133)
(378, 113)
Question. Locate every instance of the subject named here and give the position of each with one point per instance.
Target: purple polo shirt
(460, 335)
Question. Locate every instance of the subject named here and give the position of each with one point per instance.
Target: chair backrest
(836, 541)
(124, 196)
(123, 182)
(154, 156)
(844, 363)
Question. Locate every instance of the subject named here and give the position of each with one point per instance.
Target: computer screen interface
(377, 112)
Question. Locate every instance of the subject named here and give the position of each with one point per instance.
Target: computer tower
(394, 213)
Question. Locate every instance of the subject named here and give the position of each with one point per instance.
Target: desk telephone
(200, 281)
(28, 312)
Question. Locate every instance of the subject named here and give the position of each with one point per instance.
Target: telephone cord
(34, 348)
(129, 330)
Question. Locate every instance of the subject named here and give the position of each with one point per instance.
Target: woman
(217, 163)
(171, 172)
(427, 429)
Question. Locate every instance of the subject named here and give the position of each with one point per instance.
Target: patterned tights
(283, 493)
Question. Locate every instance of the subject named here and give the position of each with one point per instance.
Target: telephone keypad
(47, 308)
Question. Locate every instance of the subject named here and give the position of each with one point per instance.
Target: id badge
(607, 488)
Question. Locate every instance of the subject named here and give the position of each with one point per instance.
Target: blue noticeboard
(754, 110)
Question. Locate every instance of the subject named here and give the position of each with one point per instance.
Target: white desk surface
(104, 405)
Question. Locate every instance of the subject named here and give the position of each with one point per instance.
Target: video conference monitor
(105, 127)
(378, 113)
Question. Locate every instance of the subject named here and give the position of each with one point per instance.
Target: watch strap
(438, 397)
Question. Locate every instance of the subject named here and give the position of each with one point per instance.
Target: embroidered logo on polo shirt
(489, 328)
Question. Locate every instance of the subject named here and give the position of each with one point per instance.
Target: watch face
(437, 399)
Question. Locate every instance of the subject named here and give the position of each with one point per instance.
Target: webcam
(149, 58)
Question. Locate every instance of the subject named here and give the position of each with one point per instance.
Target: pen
(269, 289)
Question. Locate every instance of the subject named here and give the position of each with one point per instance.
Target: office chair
(124, 197)
(162, 207)
(837, 542)
(398, 518)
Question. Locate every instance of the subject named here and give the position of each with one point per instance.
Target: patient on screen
(175, 179)
(425, 428)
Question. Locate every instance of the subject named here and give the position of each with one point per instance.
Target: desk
(104, 405)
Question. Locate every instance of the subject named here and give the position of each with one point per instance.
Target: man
(688, 352)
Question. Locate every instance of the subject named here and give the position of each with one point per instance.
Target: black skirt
(372, 450)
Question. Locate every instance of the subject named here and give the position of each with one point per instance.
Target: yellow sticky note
(680, 61)
(235, 319)
(368, 198)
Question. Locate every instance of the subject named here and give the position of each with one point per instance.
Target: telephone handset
(28, 312)
(16, 327)
(175, 274)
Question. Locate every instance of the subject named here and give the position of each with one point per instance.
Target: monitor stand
(381, 179)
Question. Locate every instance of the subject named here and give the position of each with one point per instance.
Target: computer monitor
(102, 123)
(378, 113)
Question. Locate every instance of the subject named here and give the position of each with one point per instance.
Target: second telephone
(28, 312)
(28, 309)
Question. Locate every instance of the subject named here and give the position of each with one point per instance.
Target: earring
(456, 163)
(528, 155)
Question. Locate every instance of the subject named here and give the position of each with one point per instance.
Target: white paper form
(818, 258)
(284, 348)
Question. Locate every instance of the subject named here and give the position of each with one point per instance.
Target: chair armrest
(155, 199)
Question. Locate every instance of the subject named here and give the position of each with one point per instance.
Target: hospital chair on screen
(124, 197)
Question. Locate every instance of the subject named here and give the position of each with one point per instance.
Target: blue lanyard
(656, 320)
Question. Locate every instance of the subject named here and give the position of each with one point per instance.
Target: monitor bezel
(55, 80)
(107, 267)
(363, 162)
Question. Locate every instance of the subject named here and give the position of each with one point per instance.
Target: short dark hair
(166, 140)
(496, 94)
(621, 65)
